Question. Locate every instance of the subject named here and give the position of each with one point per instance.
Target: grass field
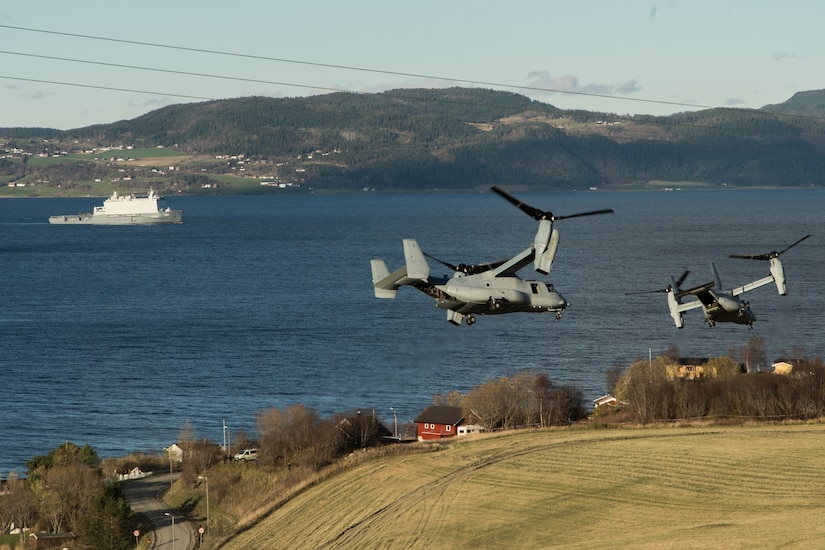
(676, 487)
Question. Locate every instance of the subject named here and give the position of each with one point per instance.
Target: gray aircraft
(720, 306)
(488, 288)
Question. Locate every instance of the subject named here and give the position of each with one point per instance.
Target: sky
(72, 64)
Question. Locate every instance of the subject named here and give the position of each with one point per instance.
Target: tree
(541, 387)
(612, 377)
(21, 504)
(450, 399)
(62, 455)
(186, 442)
(644, 387)
(490, 403)
(64, 493)
(109, 521)
(287, 434)
(755, 353)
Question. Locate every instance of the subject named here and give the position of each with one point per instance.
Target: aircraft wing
(702, 292)
(750, 286)
(514, 264)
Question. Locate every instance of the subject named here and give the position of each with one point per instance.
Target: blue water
(117, 336)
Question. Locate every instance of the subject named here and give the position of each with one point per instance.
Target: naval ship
(125, 210)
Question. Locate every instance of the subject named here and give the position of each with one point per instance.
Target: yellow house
(781, 367)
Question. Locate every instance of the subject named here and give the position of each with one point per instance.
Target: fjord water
(116, 336)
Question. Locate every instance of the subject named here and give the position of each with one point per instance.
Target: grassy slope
(710, 487)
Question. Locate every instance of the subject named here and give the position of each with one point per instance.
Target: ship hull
(153, 218)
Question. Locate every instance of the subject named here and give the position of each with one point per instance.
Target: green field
(677, 487)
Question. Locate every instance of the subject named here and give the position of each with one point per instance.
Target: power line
(168, 71)
(323, 88)
(354, 68)
(109, 88)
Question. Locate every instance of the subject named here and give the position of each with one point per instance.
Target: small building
(691, 368)
(782, 367)
(438, 422)
(39, 541)
(174, 453)
(605, 400)
(469, 429)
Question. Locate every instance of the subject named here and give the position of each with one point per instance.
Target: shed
(43, 540)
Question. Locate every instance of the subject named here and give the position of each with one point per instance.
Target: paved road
(144, 498)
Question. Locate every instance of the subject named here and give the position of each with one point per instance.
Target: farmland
(663, 487)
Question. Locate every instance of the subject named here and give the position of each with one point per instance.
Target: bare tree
(186, 441)
(450, 399)
(541, 387)
(66, 491)
(22, 505)
(644, 387)
(288, 434)
(612, 377)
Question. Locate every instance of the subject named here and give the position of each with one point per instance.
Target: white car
(247, 455)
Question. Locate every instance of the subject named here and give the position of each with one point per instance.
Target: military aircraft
(485, 288)
(720, 306)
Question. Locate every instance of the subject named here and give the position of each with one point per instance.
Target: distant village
(128, 164)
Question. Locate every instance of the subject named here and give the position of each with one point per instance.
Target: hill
(804, 104)
(457, 138)
(675, 487)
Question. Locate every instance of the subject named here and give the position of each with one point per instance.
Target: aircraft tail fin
(386, 284)
(417, 266)
(716, 280)
(381, 280)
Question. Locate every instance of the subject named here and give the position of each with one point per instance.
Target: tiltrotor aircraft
(488, 288)
(720, 306)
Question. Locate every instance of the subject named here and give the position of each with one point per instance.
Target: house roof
(438, 414)
(693, 361)
(604, 399)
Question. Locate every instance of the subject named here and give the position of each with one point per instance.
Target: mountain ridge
(453, 138)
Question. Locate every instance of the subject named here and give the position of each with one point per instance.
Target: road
(144, 498)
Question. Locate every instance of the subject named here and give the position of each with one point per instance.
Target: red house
(437, 422)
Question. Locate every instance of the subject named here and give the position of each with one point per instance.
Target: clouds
(544, 82)
(787, 56)
(735, 102)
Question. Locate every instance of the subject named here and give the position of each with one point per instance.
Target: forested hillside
(456, 138)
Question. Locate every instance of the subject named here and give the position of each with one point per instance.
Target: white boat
(125, 210)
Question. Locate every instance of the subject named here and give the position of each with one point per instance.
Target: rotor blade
(769, 255)
(668, 288)
(793, 245)
(468, 269)
(534, 213)
(442, 262)
(591, 213)
(537, 214)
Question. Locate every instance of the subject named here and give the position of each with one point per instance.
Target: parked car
(247, 455)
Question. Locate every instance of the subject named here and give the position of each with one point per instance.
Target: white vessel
(125, 210)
